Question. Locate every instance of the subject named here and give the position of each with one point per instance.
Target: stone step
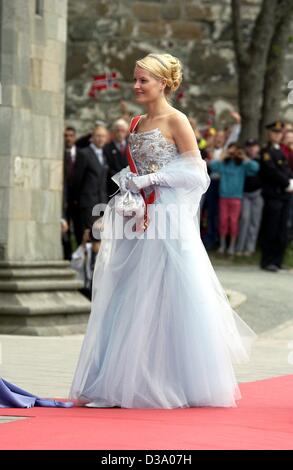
(34, 264)
(70, 308)
(39, 285)
(41, 298)
(37, 273)
(69, 327)
(43, 313)
(55, 324)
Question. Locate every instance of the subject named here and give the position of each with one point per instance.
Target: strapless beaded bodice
(151, 151)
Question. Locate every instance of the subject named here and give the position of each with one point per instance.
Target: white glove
(120, 179)
(289, 188)
(136, 183)
(123, 181)
(188, 173)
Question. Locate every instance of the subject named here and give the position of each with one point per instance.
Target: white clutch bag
(129, 204)
(126, 202)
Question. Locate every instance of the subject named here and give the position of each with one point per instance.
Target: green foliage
(289, 256)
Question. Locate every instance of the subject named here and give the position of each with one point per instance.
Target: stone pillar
(38, 290)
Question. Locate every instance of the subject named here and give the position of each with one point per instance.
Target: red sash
(147, 199)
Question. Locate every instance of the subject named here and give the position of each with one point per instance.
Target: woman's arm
(185, 140)
(183, 134)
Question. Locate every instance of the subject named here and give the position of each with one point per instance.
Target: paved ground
(269, 295)
(45, 366)
(269, 311)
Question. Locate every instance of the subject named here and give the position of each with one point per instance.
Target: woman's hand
(136, 183)
(123, 181)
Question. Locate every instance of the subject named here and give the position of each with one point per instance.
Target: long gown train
(12, 396)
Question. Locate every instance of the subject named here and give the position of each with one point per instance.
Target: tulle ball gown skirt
(161, 333)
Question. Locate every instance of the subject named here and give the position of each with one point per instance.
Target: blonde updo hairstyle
(163, 66)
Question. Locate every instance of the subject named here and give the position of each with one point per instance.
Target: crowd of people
(89, 163)
(250, 196)
(249, 199)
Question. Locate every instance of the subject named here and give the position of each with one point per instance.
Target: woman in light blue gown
(161, 333)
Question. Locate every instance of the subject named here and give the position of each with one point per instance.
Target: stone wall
(39, 293)
(33, 48)
(110, 36)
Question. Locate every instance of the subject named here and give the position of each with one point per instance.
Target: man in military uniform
(277, 183)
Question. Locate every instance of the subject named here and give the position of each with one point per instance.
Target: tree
(260, 63)
(275, 64)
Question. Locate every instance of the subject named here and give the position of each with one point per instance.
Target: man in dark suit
(277, 183)
(90, 182)
(85, 139)
(115, 152)
(70, 151)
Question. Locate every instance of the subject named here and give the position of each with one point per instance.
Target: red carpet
(263, 420)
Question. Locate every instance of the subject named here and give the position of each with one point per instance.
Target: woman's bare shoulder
(177, 118)
(182, 133)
